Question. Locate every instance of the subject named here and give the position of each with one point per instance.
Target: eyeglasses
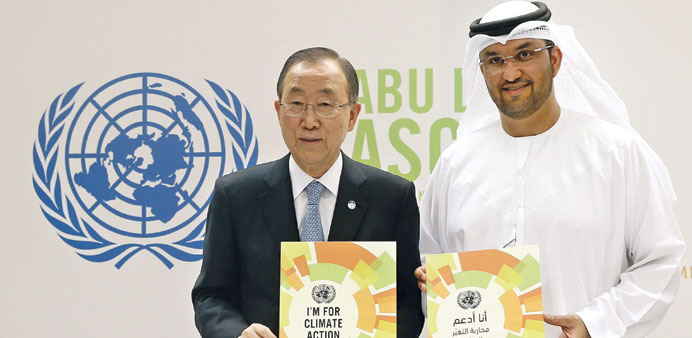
(325, 109)
(495, 63)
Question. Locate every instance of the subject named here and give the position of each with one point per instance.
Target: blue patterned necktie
(312, 225)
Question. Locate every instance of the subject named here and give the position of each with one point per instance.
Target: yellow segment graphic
(432, 313)
(385, 330)
(364, 275)
(291, 250)
(285, 303)
(534, 329)
(433, 265)
(508, 278)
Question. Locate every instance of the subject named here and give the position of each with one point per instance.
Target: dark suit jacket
(252, 212)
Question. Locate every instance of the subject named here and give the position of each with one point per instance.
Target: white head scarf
(578, 85)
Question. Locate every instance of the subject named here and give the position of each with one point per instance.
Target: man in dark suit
(254, 210)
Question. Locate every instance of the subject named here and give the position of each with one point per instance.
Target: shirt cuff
(595, 324)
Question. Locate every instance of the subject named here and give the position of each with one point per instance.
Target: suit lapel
(346, 220)
(277, 203)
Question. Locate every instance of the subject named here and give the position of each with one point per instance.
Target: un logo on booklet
(323, 293)
(469, 299)
(133, 168)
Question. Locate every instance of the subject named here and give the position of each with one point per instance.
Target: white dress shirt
(300, 180)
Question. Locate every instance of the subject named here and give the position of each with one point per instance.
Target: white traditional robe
(591, 194)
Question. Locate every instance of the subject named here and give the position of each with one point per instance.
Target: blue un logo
(140, 155)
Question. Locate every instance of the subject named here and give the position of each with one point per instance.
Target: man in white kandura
(561, 167)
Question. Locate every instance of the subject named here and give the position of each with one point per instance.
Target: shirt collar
(300, 179)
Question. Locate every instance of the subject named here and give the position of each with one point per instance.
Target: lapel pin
(351, 204)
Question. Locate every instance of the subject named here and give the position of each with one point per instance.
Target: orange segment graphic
(289, 271)
(302, 265)
(366, 310)
(446, 273)
(513, 314)
(435, 281)
(388, 306)
(533, 301)
(345, 254)
(391, 319)
(486, 260)
(295, 281)
(440, 290)
(385, 294)
(387, 301)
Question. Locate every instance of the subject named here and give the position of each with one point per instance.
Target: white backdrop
(50, 46)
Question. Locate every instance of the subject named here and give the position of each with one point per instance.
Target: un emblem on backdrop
(131, 169)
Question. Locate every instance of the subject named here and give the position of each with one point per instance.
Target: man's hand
(257, 331)
(422, 278)
(572, 326)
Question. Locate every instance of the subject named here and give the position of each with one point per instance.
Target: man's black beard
(518, 111)
(534, 102)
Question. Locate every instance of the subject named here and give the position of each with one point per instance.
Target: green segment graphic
(327, 271)
(385, 268)
(479, 279)
(530, 271)
(284, 282)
